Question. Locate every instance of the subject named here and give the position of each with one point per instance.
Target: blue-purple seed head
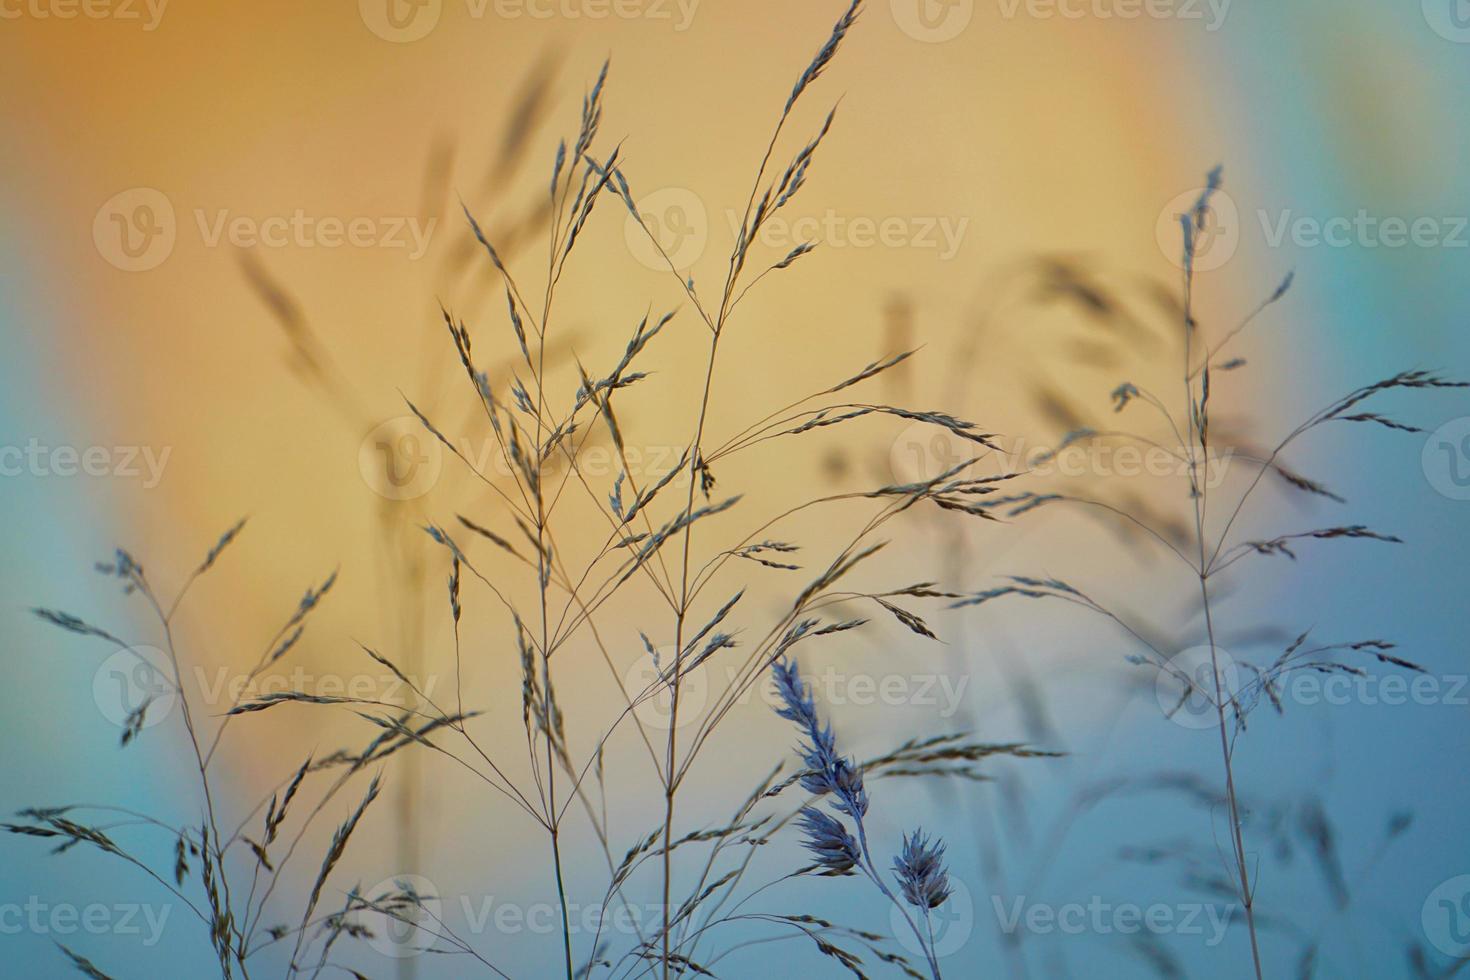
(827, 838)
(920, 871)
(827, 770)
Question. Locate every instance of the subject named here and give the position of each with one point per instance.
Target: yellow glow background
(1029, 133)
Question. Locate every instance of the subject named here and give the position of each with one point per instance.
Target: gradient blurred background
(185, 180)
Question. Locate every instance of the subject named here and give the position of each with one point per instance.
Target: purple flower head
(834, 848)
(920, 871)
(794, 694)
(827, 770)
